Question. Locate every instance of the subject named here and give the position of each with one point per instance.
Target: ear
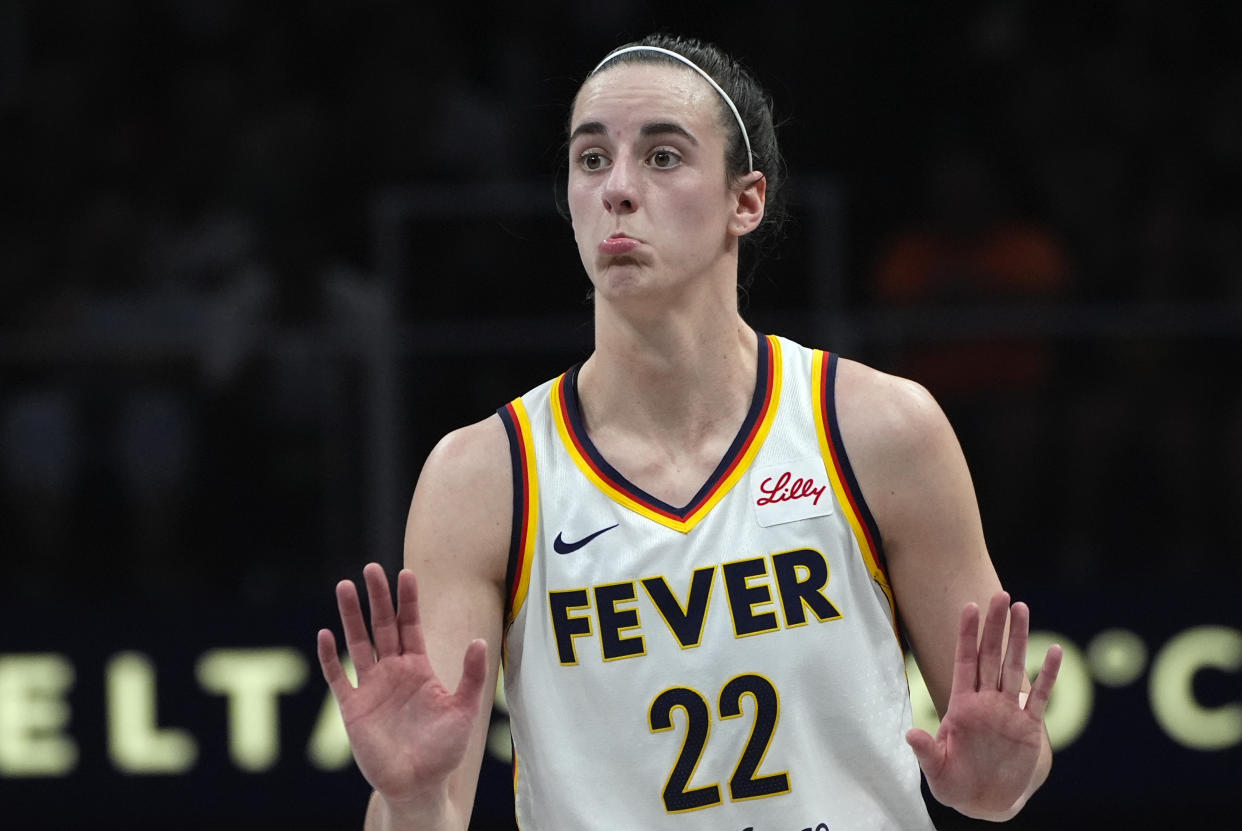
(750, 203)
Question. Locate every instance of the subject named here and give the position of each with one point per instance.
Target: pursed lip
(618, 243)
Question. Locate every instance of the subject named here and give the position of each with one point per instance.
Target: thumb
(474, 672)
(924, 747)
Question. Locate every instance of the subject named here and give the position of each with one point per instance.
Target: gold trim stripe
(740, 463)
(844, 497)
(530, 522)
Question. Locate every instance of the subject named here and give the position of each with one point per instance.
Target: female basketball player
(699, 551)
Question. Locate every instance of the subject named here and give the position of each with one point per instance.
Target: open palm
(408, 732)
(986, 749)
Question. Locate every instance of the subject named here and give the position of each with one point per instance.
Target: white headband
(750, 159)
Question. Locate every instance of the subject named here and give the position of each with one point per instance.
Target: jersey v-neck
(567, 413)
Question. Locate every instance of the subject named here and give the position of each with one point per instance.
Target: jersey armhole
(844, 482)
(525, 499)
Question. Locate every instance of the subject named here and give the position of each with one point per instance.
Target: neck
(684, 375)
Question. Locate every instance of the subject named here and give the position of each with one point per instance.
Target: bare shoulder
(480, 448)
(906, 459)
(886, 420)
(462, 511)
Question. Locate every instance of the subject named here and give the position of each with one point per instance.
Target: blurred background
(256, 258)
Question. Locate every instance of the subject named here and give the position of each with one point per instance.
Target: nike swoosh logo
(563, 547)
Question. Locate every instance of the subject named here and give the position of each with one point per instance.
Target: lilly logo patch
(790, 492)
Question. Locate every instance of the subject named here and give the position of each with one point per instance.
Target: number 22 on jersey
(745, 783)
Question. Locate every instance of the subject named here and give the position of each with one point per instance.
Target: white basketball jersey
(730, 664)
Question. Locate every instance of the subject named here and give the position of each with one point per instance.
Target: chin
(617, 273)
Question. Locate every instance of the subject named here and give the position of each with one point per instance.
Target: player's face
(649, 198)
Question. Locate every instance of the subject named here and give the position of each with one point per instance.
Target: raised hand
(984, 755)
(408, 732)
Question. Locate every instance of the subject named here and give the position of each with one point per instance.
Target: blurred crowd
(188, 223)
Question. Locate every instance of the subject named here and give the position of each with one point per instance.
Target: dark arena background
(256, 258)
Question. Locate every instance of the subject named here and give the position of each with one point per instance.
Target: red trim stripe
(706, 497)
(828, 421)
(526, 530)
(586, 457)
(750, 438)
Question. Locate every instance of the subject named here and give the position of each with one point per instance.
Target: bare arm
(418, 744)
(913, 475)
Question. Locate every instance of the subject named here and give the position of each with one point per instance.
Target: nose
(620, 188)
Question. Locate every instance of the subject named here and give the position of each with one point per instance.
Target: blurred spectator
(154, 443)
(40, 473)
(969, 252)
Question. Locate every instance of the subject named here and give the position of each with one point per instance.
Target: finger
(1041, 689)
(1015, 653)
(357, 640)
(966, 659)
(409, 619)
(924, 747)
(473, 672)
(991, 644)
(330, 663)
(383, 618)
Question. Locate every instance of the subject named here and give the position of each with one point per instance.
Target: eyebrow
(658, 128)
(651, 128)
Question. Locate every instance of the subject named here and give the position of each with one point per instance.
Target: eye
(664, 159)
(593, 160)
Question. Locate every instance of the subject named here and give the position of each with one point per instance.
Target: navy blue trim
(573, 415)
(847, 471)
(519, 504)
